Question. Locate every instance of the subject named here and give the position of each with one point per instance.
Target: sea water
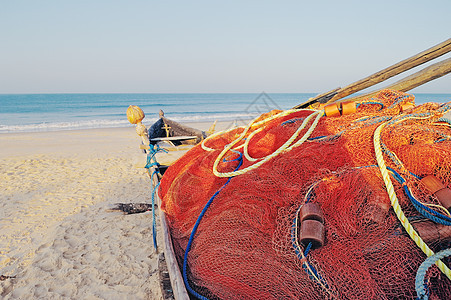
(47, 112)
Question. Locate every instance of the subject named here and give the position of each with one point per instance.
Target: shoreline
(45, 142)
(203, 125)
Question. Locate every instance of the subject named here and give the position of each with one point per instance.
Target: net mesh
(244, 246)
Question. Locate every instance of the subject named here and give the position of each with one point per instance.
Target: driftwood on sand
(4, 277)
(133, 208)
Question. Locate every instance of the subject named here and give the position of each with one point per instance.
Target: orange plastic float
(438, 189)
(444, 197)
(332, 110)
(348, 107)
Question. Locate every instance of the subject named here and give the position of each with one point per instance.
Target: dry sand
(56, 233)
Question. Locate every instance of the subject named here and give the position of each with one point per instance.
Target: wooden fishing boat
(177, 288)
(174, 137)
(177, 134)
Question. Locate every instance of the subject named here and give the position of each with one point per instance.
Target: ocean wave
(91, 124)
(212, 117)
(63, 126)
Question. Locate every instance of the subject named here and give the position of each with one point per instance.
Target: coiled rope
(287, 146)
(253, 123)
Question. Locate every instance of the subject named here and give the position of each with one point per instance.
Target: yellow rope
(395, 203)
(437, 206)
(404, 169)
(202, 144)
(252, 124)
(246, 144)
(285, 147)
(442, 124)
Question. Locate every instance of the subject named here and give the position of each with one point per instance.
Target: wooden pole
(383, 75)
(322, 98)
(394, 70)
(432, 72)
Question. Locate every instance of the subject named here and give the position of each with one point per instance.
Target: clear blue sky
(211, 46)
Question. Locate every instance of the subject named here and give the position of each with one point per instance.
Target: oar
(382, 75)
(432, 72)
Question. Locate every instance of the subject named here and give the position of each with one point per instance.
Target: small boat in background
(165, 129)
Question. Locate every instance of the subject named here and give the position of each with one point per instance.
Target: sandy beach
(58, 237)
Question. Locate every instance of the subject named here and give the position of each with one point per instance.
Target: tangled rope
(273, 144)
(153, 163)
(395, 203)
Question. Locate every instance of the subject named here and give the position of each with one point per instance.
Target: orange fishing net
(247, 244)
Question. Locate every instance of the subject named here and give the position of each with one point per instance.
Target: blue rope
(371, 102)
(193, 232)
(307, 248)
(419, 115)
(399, 99)
(154, 220)
(396, 162)
(445, 107)
(444, 120)
(375, 120)
(317, 137)
(420, 285)
(421, 208)
(329, 138)
(442, 140)
(151, 160)
(235, 159)
(298, 254)
(292, 121)
(427, 211)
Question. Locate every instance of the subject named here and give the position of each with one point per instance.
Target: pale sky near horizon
(108, 46)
